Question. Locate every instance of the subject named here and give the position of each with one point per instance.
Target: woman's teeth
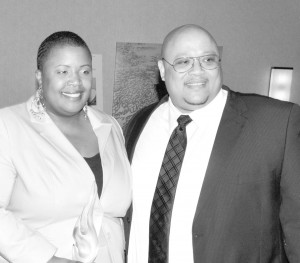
(72, 95)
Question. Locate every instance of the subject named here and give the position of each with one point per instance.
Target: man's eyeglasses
(182, 65)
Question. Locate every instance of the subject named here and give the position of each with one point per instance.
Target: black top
(96, 166)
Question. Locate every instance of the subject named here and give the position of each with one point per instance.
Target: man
(237, 198)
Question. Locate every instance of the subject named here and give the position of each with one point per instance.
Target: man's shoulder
(136, 124)
(139, 119)
(142, 115)
(258, 102)
(261, 110)
(144, 112)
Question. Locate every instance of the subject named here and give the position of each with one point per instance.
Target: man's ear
(161, 69)
(38, 77)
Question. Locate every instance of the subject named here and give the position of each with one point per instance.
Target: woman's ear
(38, 77)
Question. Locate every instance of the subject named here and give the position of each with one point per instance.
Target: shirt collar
(202, 115)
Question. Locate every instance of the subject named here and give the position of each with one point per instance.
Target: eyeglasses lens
(185, 64)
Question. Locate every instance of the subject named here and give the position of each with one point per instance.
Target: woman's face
(66, 80)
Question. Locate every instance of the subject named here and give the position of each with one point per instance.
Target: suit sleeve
(290, 188)
(18, 242)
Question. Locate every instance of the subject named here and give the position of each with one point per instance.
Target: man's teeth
(72, 95)
(196, 84)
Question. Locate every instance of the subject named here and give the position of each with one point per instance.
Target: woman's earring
(37, 105)
(85, 110)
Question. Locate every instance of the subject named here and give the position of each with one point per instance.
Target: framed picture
(136, 78)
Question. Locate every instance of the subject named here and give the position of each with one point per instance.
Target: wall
(255, 36)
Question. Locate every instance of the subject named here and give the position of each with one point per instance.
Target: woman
(52, 150)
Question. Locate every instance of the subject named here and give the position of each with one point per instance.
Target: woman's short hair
(60, 38)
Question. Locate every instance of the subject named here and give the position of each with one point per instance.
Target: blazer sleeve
(18, 242)
(290, 188)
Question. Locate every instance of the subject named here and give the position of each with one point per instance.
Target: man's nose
(197, 67)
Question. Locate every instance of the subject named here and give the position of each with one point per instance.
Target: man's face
(197, 87)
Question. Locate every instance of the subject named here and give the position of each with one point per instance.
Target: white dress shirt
(146, 164)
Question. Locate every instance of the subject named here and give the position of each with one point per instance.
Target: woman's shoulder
(101, 114)
(14, 111)
(12, 119)
(104, 117)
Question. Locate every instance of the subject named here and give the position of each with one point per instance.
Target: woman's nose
(74, 79)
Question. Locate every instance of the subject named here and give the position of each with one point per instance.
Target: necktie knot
(183, 121)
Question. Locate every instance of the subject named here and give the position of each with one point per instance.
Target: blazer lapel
(218, 185)
(102, 129)
(63, 147)
(51, 133)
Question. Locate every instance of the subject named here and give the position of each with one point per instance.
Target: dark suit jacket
(249, 206)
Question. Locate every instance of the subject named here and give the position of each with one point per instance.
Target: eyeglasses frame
(198, 58)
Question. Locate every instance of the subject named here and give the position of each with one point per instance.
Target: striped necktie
(162, 204)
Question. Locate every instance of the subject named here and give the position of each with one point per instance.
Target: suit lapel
(218, 184)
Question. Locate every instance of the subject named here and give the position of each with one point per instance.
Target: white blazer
(45, 183)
